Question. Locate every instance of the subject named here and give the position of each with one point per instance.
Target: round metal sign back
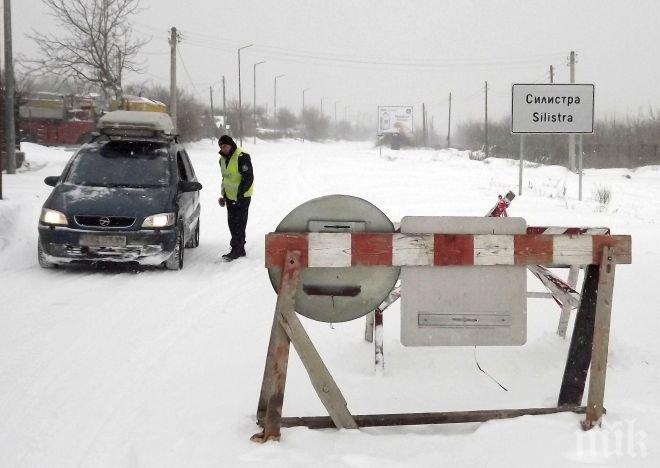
(338, 294)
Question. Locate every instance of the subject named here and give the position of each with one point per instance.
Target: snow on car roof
(126, 121)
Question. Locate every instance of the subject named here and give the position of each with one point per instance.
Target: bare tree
(94, 43)
(285, 118)
(317, 125)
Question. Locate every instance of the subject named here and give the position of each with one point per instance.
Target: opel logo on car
(105, 221)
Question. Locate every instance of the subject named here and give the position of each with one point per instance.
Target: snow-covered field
(163, 369)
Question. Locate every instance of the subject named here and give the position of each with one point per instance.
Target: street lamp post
(240, 104)
(324, 97)
(254, 99)
(275, 100)
(303, 113)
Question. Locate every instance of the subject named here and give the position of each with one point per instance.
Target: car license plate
(88, 240)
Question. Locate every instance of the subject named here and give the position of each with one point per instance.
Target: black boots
(233, 255)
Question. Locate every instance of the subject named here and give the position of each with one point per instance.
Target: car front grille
(105, 221)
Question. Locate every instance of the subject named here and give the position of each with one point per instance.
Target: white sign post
(551, 108)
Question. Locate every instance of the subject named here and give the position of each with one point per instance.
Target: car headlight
(53, 217)
(159, 220)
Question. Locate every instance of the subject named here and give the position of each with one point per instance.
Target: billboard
(552, 108)
(395, 119)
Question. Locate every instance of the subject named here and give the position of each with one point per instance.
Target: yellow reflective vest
(231, 176)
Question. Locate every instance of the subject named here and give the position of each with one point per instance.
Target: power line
(154, 53)
(471, 96)
(315, 57)
(207, 41)
(430, 65)
(185, 69)
(152, 75)
(363, 65)
(328, 59)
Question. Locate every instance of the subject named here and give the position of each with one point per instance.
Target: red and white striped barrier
(399, 249)
(571, 231)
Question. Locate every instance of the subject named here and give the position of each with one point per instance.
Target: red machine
(54, 132)
(54, 119)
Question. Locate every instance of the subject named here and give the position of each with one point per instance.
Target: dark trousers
(237, 217)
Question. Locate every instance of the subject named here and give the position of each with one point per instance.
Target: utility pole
(449, 124)
(302, 116)
(486, 119)
(224, 106)
(324, 97)
(552, 74)
(2, 129)
(254, 99)
(10, 94)
(432, 129)
(174, 38)
(336, 102)
(275, 99)
(211, 96)
(424, 124)
(213, 127)
(240, 104)
(571, 137)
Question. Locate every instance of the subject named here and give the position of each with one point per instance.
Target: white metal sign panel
(395, 119)
(552, 108)
(465, 305)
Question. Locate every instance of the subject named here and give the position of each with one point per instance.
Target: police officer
(237, 185)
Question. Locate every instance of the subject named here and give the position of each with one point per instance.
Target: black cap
(226, 140)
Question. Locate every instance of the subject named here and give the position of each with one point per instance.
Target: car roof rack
(100, 138)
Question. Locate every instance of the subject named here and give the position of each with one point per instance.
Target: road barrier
(295, 254)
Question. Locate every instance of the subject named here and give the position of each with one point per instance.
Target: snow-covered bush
(477, 155)
(603, 195)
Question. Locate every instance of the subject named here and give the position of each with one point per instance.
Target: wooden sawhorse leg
(601, 340)
(590, 341)
(271, 397)
(286, 329)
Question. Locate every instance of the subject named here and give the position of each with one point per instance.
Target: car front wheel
(194, 238)
(175, 262)
(43, 262)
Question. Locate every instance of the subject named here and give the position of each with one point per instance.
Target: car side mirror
(187, 186)
(52, 180)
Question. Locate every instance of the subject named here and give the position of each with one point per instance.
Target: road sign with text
(552, 108)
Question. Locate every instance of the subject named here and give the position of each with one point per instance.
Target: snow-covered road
(159, 368)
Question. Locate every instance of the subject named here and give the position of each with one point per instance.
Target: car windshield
(122, 164)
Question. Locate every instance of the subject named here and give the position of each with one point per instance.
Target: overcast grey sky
(370, 52)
